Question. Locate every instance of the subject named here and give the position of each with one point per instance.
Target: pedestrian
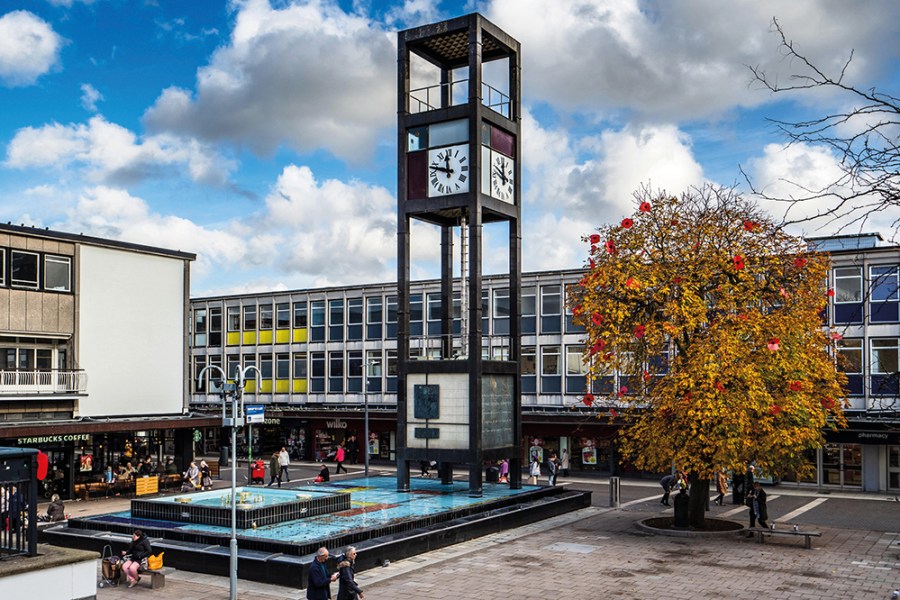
(323, 475)
(347, 588)
(318, 583)
(552, 469)
(737, 488)
(339, 455)
(667, 483)
(284, 462)
(205, 476)
(136, 557)
(757, 503)
(535, 470)
(274, 469)
(564, 463)
(721, 487)
(504, 471)
(352, 450)
(424, 465)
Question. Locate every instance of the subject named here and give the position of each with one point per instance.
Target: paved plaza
(599, 553)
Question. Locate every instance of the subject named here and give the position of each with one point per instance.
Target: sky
(261, 134)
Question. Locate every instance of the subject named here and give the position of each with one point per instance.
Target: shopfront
(589, 447)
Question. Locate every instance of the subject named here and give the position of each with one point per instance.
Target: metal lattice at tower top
(459, 169)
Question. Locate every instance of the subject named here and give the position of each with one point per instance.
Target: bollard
(614, 492)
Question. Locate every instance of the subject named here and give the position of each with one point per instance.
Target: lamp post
(236, 420)
(370, 362)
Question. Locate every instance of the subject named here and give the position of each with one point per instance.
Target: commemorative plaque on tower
(459, 168)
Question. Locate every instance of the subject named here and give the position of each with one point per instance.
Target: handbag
(155, 562)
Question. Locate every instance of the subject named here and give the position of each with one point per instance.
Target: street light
(370, 362)
(236, 420)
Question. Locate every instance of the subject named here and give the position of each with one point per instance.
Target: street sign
(256, 413)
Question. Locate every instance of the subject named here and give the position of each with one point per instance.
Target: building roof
(80, 238)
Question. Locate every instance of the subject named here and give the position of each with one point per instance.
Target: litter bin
(223, 456)
(492, 475)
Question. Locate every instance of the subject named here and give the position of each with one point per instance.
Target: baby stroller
(110, 568)
(258, 472)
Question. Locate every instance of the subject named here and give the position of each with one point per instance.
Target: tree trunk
(699, 501)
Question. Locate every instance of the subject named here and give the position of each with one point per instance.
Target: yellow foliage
(720, 309)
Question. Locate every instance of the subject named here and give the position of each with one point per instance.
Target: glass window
(550, 360)
(457, 306)
(282, 366)
(391, 316)
(234, 318)
(528, 360)
(24, 269)
(250, 317)
(529, 304)
(354, 311)
(501, 303)
(415, 307)
(851, 353)
(336, 311)
(373, 310)
(317, 313)
(199, 327)
(215, 326)
(300, 365)
(283, 316)
(317, 364)
(847, 284)
(434, 307)
(885, 283)
(574, 362)
(884, 356)
(373, 363)
(265, 316)
(354, 363)
(550, 300)
(2, 266)
(232, 364)
(265, 366)
(299, 315)
(58, 273)
(448, 132)
(391, 359)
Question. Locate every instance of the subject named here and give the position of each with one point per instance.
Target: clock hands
(501, 174)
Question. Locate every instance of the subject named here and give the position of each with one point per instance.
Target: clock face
(502, 173)
(448, 170)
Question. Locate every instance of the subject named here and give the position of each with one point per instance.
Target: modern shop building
(93, 352)
(325, 353)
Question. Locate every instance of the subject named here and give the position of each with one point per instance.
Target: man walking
(284, 460)
(552, 469)
(318, 584)
(275, 469)
(666, 482)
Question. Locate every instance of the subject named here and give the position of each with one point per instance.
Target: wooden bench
(808, 535)
(146, 485)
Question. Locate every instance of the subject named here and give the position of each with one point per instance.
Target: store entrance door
(842, 465)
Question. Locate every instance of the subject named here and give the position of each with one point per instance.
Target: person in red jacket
(339, 456)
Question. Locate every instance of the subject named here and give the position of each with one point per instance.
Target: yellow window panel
(282, 336)
(249, 338)
(266, 386)
(265, 337)
(234, 338)
(250, 386)
(299, 386)
(282, 386)
(300, 335)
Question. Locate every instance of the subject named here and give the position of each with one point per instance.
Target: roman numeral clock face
(502, 174)
(448, 170)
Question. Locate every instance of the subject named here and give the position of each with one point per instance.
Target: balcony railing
(42, 382)
(432, 97)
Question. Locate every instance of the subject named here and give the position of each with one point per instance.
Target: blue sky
(261, 134)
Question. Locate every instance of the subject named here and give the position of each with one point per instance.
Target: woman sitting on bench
(136, 557)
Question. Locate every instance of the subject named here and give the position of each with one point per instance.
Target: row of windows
(883, 294)
(340, 319)
(35, 270)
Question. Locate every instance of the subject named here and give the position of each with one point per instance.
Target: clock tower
(459, 167)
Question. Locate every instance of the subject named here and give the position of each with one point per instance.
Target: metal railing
(17, 510)
(43, 382)
(432, 97)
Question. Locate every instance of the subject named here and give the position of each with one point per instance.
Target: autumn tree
(712, 315)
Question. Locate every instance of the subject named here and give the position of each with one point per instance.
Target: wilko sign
(336, 424)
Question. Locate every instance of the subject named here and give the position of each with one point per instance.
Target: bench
(762, 532)
(157, 576)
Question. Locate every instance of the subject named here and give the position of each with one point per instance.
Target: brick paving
(599, 553)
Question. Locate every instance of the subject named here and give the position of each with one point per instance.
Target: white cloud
(799, 171)
(307, 76)
(686, 59)
(89, 97)
(29, 48)
(110, 153)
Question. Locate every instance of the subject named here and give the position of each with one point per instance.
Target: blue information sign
(256, 413)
